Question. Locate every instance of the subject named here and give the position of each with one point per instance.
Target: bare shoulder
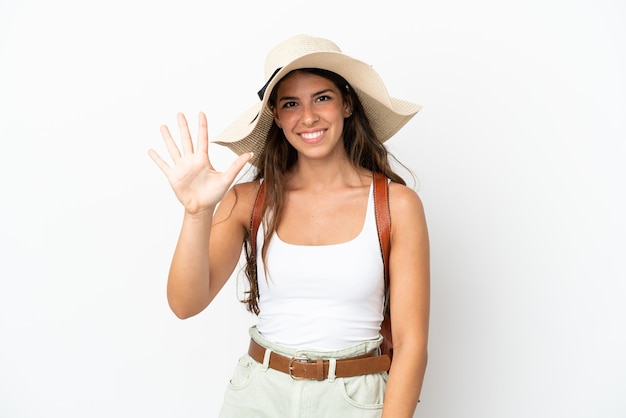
(404, 202)
(408, 222)
(238, 202)
(247, 191)
(407, 212)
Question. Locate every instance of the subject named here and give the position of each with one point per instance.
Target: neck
(323, 176)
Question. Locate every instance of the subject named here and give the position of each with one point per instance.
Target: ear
(347, 108)
(276, 118)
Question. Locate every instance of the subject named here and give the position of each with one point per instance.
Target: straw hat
(386, 114)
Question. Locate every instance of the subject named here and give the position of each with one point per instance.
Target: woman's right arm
(210, 240)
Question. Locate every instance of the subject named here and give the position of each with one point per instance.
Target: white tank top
(325, 297)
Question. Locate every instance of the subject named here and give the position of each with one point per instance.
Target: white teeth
(311, 135)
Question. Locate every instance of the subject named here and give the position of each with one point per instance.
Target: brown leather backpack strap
(383, 219)
(257, 214)
(383, 225)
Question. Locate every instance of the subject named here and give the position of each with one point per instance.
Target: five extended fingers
(188, 148)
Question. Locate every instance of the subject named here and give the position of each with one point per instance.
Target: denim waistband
(355, 350)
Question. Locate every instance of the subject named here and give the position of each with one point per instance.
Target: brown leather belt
(303, 368)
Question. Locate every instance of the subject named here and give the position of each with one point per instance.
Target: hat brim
(386, 114)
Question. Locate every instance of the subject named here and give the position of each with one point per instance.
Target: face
(310, 110)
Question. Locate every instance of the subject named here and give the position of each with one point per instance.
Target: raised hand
(194, 180)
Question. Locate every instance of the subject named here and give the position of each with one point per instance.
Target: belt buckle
(302, 358)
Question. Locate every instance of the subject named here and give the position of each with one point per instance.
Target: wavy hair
(363, 149)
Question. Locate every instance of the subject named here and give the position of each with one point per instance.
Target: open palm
(197, 185)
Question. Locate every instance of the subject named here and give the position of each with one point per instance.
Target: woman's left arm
(409, 275)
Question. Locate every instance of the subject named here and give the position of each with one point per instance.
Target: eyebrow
(282, 99)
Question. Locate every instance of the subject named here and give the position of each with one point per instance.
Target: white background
(519, 154)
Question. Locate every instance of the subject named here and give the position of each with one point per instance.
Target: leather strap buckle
(305, 362)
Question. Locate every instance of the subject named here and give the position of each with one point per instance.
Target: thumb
(238, 164)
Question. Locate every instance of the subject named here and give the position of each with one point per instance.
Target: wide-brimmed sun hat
(386, 114)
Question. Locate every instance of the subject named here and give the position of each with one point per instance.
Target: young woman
(315, 269)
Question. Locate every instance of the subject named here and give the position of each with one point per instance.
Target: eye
(288, 104)
(323, 98)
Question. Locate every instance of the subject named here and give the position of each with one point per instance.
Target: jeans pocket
(365, 392)
(243, 373)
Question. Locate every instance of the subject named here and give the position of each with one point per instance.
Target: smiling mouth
(310, 136)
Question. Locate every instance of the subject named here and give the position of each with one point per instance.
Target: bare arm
(410, 302)
(195, 274)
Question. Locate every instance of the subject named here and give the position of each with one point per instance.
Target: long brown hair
(278, 157)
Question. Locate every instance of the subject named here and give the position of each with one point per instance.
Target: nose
(309, 116)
